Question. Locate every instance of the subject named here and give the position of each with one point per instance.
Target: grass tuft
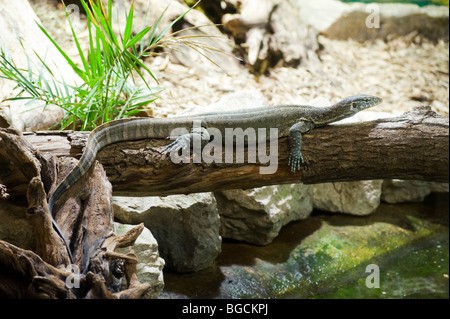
(108, 90)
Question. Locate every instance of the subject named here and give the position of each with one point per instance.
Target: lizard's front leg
(296, 160)
(184, 141)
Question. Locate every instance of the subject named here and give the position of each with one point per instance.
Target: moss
(423, 273)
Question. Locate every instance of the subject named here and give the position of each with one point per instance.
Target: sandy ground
(405, 72)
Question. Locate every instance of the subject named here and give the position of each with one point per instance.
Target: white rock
(32, 116)
(257, 215)
(289, 41)
(21, 29)
(150, 265)
(185, 226)
(341, 20)
(400, 191)
(245, 99)
(355, 198)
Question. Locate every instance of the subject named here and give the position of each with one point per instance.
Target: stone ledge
(348, 20)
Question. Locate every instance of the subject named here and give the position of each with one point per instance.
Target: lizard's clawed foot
(296, 162)
(180, 142)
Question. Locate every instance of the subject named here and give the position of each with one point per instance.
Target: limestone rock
(400, 191)
(296, 40)
(21, 30)
(150, 265)
(241, 100)
(185, 226)
(257, 215)
(355, 198)
(361, 21)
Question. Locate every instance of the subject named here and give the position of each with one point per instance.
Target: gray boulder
(257, 215)
(355, 198)
(361, 21)
(400, 191)
(186, 227)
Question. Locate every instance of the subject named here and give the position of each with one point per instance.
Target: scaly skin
(290, 120)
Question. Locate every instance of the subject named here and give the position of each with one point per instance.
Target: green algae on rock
(401, 240)
(326, 256)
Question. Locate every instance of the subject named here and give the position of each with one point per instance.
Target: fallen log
(414, 146)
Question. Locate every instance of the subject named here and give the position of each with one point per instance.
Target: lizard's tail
(101, 136)
(77, 172)
(59, 232)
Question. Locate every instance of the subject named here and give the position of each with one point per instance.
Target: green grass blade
(142, 65)
(152, 35)
(128, 26)
(77, 43)
(92, 54)
(100, 60)
(17, 76)
(102, 18)
(110, 10)
(17, 98)
(142, 42)
(137, 37)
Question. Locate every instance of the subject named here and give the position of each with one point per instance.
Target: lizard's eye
(353, 106)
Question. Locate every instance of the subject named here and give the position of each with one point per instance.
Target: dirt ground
(406, 72)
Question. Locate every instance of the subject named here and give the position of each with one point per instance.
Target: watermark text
(207, 146)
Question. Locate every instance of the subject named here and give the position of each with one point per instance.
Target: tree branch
(412, 146)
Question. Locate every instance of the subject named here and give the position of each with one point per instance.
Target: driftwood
(412, 146)
(85, 217)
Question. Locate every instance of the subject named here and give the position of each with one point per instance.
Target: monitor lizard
(290, 120)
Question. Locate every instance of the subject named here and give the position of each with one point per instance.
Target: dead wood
(24, 274)
(48, 244)
(85, 217)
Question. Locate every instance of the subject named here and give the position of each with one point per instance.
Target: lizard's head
(354, 104)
